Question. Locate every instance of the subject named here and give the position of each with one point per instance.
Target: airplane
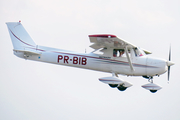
(117, 57)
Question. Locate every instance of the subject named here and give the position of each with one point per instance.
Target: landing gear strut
(150, 79)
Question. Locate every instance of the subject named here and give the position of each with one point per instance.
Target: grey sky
(32, 90)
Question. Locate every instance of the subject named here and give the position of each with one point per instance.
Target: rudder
(19, 36)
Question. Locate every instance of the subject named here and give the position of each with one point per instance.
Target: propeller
(169, 63)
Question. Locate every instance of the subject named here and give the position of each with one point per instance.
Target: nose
(169, 63)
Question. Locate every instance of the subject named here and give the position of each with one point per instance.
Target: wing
(110, 41)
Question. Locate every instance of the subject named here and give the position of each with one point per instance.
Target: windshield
(139, 52)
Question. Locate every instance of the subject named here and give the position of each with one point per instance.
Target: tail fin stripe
(21, 40)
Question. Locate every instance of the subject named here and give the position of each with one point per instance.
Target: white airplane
(118, 57)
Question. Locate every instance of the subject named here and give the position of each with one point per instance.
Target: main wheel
(121, 88)
(153, 91)
(113, 85)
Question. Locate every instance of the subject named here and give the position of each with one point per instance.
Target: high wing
(110, 41)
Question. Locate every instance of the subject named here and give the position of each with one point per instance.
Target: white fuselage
(143, 66)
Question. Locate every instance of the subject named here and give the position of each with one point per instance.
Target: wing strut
(129, 60)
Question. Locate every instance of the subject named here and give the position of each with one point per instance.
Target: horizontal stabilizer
(29, 52)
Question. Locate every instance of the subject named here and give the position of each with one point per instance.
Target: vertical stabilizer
(19, 36)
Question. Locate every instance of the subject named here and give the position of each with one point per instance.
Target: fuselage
(118, 57)
(143, 66)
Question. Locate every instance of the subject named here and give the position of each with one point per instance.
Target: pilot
(121, 53)
(114, 53)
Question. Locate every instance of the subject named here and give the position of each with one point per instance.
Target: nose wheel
(151, 86)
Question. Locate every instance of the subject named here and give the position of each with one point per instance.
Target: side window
(137, 52)
(118, 52)
(115, 53)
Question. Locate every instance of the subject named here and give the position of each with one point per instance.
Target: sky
(32, 90)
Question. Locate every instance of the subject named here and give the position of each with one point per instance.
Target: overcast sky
(32, 90)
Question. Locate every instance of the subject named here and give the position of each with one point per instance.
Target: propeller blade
(169, 63)
(168, 72)
(170, 53)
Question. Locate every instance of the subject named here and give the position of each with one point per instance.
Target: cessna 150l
(119, 57)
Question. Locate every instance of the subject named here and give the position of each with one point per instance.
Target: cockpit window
(118, 52)
(138, 52)
(121, 52)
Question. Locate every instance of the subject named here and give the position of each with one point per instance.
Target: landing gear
(150, 79)
(113, 85)
(153, 91)
(115, 82)
(121, 87)
(151, 86)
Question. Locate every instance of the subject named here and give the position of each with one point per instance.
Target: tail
(19, 36)
(22, 42)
